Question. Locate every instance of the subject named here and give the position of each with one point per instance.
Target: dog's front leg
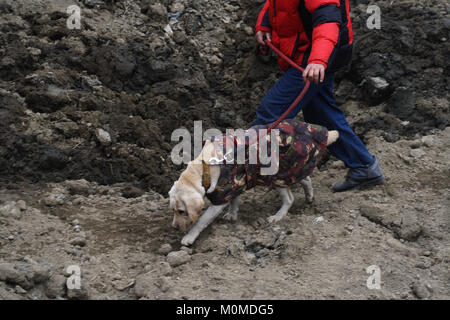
(288, 199)
(233, 210)
(205, 220)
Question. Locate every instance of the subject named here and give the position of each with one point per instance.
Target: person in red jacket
(317, 35)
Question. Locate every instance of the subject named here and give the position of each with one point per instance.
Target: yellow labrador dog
(188, 192)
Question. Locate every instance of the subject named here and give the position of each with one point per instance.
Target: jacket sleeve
(263, 23)
(326, 19)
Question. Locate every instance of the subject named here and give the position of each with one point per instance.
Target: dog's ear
(172, 200)
(172, 203)
(194, 208)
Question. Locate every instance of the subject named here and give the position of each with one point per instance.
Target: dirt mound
(403, 65)
(125, 74)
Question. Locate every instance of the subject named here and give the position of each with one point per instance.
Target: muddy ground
(86, 118)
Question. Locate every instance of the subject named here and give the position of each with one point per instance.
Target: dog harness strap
(206, 176)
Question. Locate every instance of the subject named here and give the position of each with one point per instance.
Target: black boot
(360, 177)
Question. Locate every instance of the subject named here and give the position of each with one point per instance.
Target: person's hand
(260, 37)
(314, 72)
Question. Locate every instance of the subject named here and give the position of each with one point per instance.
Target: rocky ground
(86, 120)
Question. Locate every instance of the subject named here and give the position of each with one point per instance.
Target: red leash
(296, 101)
(291, 107)
(300, 96)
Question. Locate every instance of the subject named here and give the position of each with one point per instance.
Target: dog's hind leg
(307, 186)
(288, 200)
(205, 220)
(233, 210)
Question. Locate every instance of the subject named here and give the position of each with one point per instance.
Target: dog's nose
(175, 226)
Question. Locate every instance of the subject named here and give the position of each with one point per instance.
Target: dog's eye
(182, 212)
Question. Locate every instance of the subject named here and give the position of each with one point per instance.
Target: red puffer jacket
(309, 31)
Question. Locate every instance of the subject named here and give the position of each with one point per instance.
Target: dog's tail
(333, 135)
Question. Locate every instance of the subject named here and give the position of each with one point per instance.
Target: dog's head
(187, 205)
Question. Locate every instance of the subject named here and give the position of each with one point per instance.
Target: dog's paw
(188, 240)
(274, 218)
(231, 217)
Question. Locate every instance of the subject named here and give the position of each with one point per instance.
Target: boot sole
(368, 183)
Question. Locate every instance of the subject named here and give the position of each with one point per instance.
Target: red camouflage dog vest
(301, 146)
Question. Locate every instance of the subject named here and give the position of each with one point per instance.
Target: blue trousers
(318, 108)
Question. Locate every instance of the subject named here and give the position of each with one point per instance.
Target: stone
(103, 136)
(55, 286)
(19, 290)
(34, 51)
(52, 201)
(155, 11)
(372, 213)
(428, 141)
(164, 268)
(24, 274)
(421, 290)
(165, 249)
(78, 241)
(177, 258)
(187, 249)
(377, 89)
(11, 209)
(164, 283)
(78, 294)
(21, 205)
(177, 7)
(410, 228)
(78, 187)
(179, 37)
(158, 9)
(379, 83)
(78, 201)
(154, 206)
(417, 153)
(249, 30)
(145, 283)
(9, 273)
(41, 273)
(215, 60)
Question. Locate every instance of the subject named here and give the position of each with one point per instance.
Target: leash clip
(214, 161)
(228, 157)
